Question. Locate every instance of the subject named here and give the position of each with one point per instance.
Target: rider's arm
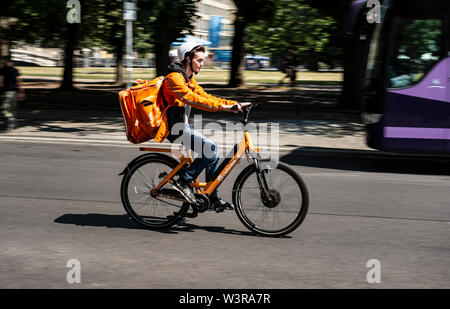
(175, 86)
(200, 91)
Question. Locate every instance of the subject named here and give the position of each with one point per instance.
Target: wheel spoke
(152, 212)
(269, 217)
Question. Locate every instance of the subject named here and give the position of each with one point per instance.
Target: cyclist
(181, 92)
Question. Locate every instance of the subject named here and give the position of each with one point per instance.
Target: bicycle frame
(245, 145)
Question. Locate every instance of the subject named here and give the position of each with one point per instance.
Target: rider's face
(198, 61)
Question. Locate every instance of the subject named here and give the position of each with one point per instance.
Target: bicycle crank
(202, 202)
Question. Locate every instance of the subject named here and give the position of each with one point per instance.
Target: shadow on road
(187, 227)
(124, 221)
(310, 101)
(86, 123)
(74, 123)
(368, 161)
(110, 221)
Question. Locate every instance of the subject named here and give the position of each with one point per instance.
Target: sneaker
(220, 205)
(185, 190)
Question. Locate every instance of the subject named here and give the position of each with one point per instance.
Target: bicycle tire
(251, 222)
(164, 221)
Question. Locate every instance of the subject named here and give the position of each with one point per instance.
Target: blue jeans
(208, 159)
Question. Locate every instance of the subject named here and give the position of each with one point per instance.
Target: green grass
(259, 77)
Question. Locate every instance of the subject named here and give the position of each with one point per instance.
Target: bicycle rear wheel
(138, 181)
(278, 215)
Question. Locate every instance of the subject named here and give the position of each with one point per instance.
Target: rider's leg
(208, 159)
(208, 155)
(293, 76)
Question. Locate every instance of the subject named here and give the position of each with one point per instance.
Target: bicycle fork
(261, 177)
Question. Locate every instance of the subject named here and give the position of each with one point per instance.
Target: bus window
(417, 47)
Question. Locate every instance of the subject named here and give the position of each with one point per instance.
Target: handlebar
(246, 111)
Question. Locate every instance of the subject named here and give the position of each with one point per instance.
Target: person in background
(11, 90)
(290, 67)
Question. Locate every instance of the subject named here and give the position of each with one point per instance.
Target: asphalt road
(61, 202)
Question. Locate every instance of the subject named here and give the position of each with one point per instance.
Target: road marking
(378, 217)
(107, 142)
(386, 178)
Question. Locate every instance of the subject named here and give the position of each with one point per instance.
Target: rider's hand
(235, 108)
(245, 104)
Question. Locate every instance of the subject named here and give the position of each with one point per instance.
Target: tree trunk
(72, 35)
(237, 63)
(8, 49)
(162, 60)
(4, 51)
(313, 62)
(5, 41)
(119, 64)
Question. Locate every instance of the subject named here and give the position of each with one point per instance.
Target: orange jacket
(177, 93)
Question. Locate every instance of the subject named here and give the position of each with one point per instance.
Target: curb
(365, 154)
(295, 151)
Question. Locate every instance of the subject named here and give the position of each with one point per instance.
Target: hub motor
(274, 201)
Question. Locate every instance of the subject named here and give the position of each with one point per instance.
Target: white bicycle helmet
(186, 47)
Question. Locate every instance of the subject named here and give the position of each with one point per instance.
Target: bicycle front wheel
(278, 213)
(139, 180)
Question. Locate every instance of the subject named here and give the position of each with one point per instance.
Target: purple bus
(406, 96)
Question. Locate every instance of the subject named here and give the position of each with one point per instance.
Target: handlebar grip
(247, 110)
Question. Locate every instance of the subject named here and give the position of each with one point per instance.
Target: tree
(172, 20)
(106, 29)
(29, 22)
(295, 26)
(159, 23)
(26, 21)
(75, 34)
(334, 45)
(248, 11)
(352, 50)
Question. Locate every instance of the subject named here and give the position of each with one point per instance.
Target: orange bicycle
(270, 201)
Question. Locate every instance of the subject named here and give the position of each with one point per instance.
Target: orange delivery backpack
(143, 108)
